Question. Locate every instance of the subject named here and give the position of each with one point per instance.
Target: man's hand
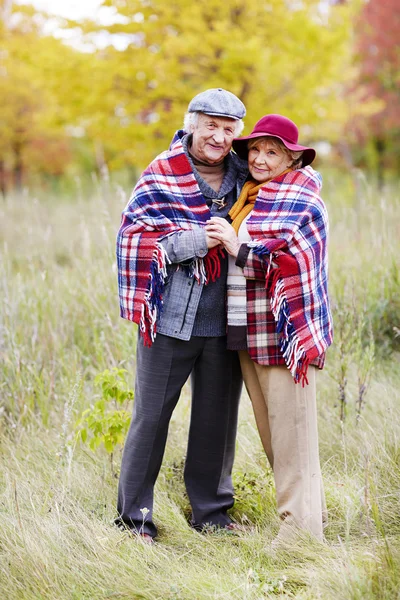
(220, 230)
(212, 241)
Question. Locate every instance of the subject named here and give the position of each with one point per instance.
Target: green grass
(60, 327)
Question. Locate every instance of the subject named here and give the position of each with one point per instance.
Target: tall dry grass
(60, 327)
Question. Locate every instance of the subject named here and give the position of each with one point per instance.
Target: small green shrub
(254, 495)
(107, 421)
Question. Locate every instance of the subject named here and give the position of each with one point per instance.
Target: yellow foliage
(277, 56)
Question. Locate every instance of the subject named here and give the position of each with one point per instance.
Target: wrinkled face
(267, 160)
(212, 138)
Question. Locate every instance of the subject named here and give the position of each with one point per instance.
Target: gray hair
(296, 156)
(192, 118)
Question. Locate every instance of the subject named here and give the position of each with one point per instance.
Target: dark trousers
(216, 382)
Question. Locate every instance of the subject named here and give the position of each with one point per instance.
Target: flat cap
(218, 102)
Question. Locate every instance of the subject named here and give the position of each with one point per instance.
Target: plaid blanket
(165, 200)
(289, 226)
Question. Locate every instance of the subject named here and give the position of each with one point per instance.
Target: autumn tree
(124, 92)
(378, 57)
(278, 56)
(38, 97)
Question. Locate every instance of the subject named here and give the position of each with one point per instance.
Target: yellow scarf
(245, 203)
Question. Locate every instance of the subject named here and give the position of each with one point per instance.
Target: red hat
(276, 126)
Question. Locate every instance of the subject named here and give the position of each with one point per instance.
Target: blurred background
(90, 92)
(99, 87)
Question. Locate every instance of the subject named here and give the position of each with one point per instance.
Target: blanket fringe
(152, 305)
(208, 268)
(259, 249)
(212, 263)
(203, 270)
(292, 350)
(197, 270)
(262, 252)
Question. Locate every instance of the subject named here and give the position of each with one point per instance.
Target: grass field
(60, 327)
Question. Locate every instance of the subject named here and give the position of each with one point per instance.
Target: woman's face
(267, 160)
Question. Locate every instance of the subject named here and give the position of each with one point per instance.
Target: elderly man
(172, 279)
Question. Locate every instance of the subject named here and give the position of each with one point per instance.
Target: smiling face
(212, 138)
(267, 159)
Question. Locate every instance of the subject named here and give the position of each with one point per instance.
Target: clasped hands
(219, 231)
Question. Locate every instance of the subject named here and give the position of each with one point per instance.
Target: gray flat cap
(218, 102)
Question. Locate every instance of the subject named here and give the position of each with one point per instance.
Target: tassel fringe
(259, 249)
(206, 269)
(203, 270)
(262, 252)
(152, 305)
(292, 350)
(212, 263)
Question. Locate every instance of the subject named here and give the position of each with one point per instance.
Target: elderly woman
(278, 310)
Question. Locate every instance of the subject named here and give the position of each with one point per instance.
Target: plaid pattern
(292, 320)
(262, 337)
(166, 199)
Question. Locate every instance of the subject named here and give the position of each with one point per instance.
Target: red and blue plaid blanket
(165, 200)
(289, 226)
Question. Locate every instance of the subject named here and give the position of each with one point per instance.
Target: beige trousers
(286, 417)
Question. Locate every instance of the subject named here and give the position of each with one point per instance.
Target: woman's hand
(219, 229)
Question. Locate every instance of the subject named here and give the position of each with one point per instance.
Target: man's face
(212, 138)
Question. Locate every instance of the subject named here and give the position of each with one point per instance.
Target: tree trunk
(2, 179)
(380, 147)
(18, 167)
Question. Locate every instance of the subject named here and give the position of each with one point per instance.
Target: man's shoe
(236, 527)
(146, 538)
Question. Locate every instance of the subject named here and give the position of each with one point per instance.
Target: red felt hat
(276, 126)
